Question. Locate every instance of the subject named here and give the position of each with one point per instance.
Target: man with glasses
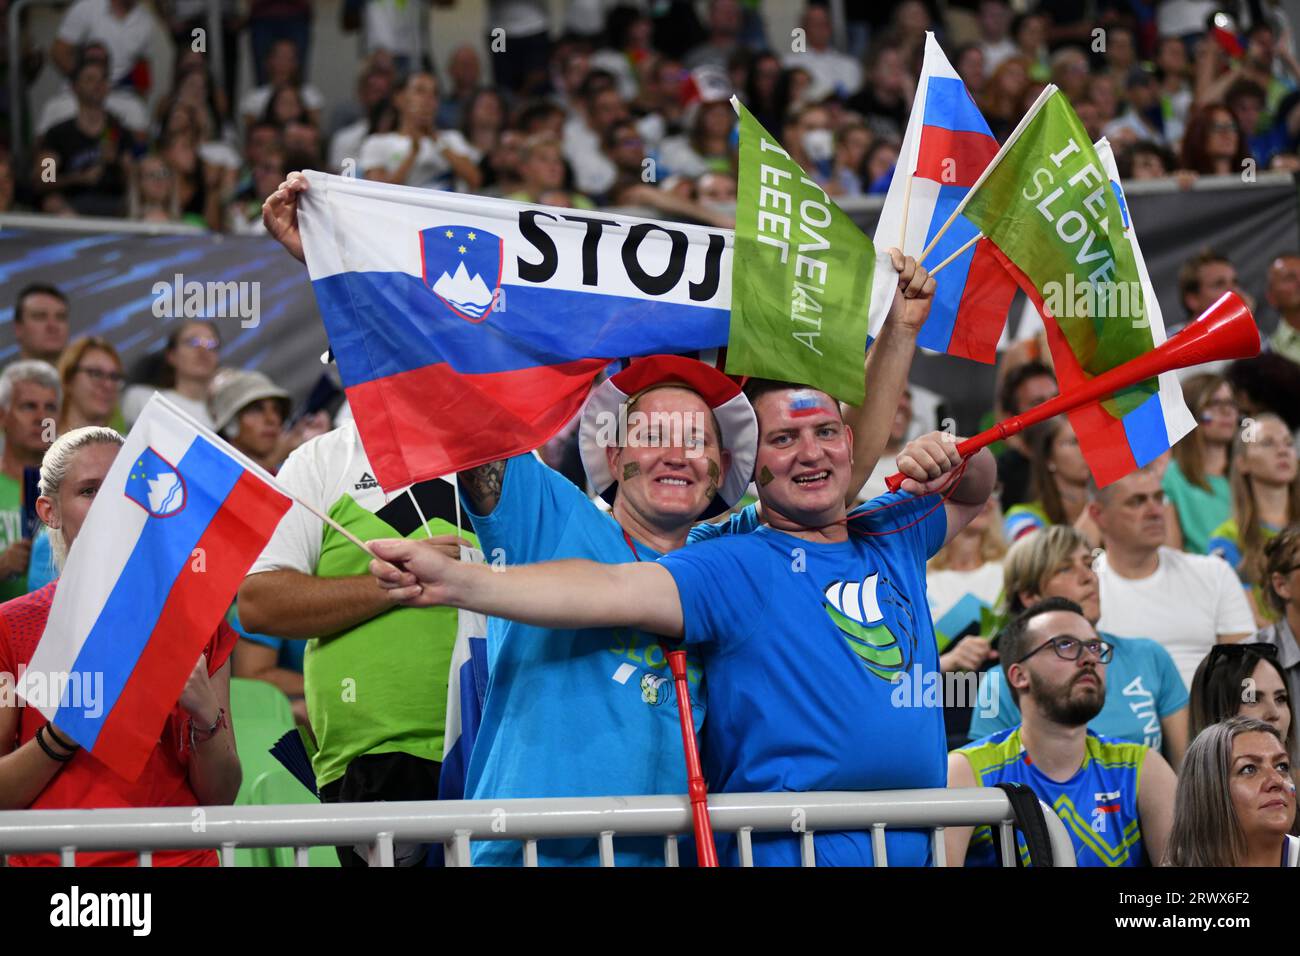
(1185, 602)
(1115, 798)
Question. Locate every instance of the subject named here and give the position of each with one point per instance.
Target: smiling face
(670, 468)
(1261, 786)
(1219, 416)
(805, 455)
(195, 355)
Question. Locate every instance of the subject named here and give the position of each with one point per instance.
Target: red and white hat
(736, 420)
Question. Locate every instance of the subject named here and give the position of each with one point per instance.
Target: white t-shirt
(1186, 605)
(521, 18)
(995, 53)
(254, 101)
(943, 589)
(346, 144)
(395, 26)
(831, 71)
(135, 398)
(126, 38)
(593, 172)
(389, 151)
(127, 108)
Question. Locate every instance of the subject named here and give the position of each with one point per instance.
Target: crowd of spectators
(1188, 569)
(623, 105)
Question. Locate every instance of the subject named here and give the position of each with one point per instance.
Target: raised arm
(926, 462)
(558, 594)
(888, 362)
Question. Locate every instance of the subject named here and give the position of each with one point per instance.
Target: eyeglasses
(1224, 127)
(99, 375)
(199, 342)
(1222, 405)
(1069, 649)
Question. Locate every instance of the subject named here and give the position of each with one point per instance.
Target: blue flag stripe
(949, 106)
(127, 620)
(1145, 427)
(937, 331)
(385, 323)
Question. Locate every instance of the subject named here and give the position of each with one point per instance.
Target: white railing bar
(746, 844)
(878, 854)
(146, 858)
(302, 856)
(938, 849)
(807, 852)
(530, 853)
(606, 847)
(670, 851)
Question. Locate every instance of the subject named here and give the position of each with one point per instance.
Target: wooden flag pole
(964, 246)
(997, 158)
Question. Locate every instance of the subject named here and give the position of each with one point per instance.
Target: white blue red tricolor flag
(468, 329)
(946, 147)
(174, 527)
(1113, 446)
(466, 691)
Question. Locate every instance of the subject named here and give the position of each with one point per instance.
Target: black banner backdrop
(124, 287)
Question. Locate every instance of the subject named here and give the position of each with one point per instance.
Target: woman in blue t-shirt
(1146, 702)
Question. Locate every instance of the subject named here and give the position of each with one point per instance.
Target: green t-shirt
(11, 530)
(380, 687)
(1200, 512)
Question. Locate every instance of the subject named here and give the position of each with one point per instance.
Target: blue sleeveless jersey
(1098, 805)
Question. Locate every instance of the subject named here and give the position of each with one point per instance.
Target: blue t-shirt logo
(855, 608)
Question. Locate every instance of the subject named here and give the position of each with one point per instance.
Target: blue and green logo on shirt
(854, 607)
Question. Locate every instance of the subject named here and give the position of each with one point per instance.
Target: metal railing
(457, 823)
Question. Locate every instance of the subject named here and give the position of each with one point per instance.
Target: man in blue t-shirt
(1115, 798)
(801, 624)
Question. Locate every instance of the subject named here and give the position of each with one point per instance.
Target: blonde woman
(1235, 803)
(1265, 481)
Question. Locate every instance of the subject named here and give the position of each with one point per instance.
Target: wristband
(61, 758)
(211, 731)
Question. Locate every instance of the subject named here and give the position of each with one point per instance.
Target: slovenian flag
(172, 531)
(946, 147)
(469, 329)
(1113, 446)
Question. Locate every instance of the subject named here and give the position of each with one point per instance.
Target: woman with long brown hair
(1003, 94)
(1196, 481)
(1265, 481)
(1059, 478)
(1213, 143)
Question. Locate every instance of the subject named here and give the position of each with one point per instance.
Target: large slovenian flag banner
(468, 329)
(173, 529)
(947, 146)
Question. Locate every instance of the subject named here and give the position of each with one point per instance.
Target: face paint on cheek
(631, 470)
(765, 477)
(714, 471)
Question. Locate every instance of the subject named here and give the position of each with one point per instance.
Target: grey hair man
(30, 393)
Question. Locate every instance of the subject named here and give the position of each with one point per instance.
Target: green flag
(805, 293)
(1048, 206)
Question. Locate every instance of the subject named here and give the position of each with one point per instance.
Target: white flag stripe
(925, 192)
(383, 226)
(109, 535)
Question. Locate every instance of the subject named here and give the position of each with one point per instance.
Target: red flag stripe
(982, 312)
(413, 424)
(953, 157)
